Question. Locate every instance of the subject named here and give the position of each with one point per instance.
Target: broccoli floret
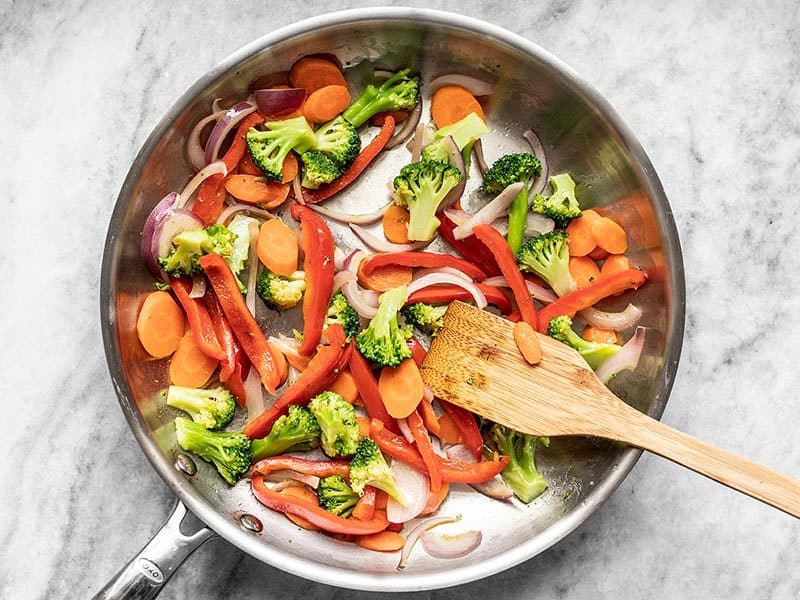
(340, 311)
(595, 353)
(318, 169)
(228, 450)
(337, 420)
(213, 409)
(398, 92)
(422, 186)
(562, 205)
(368, 467)
(190, 245)
(297, 431)
(339, 140)
(384, 341)
(464, 133)
(336, 496)
(269, 148)
(547, 256)
(520, 473)
(278, 292)
(509, 169)
(427, 318)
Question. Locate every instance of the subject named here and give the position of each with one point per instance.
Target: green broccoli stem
(517, 219)
(466, 155)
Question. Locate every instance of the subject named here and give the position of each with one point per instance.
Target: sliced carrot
(345, 386)
(385, 277)
(277, 247)
(452, 103)
(363, 426)
(600, 335)
(248, 167)
(584, 270)
(364, 509)
(254, 189)
(326, 103)
(591, 215)
(614, 264)
(383, 541)
(289, 168)
(435, 499)
(448, 431)
(398, 115)
(313, 73)
(598, 254)
(401, 388)
(527, 342)
(189, 366)
(160, 325)
(579, 234)
(610, 236)
(301, 491)
(280, 364)
(381, 500)
(395, 224)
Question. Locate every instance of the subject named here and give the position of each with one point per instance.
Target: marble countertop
(712, 93)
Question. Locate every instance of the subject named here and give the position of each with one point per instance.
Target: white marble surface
(711, 89)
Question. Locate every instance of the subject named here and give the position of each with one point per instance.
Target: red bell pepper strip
(583, 298)
(318, 248)
(211, 195)
(368, 390)
(315, 514)
(199, 319)
(515, 317)
(453, 471)
(244, 326)
(427, 260)
(425, 449)
(362, 161)
(439, 294)
(429, 417)
(365, 507)
(469, 247)
(498, 246)
(313, 380)
(465, 422)
(224, 334)
(235, 383)
(318, 468)
(418, 352)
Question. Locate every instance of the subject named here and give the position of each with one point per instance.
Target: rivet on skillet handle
(145, 575)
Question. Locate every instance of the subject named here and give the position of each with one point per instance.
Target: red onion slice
(477, 151)
(254, 396)
(536, 224)
(616, 321)
(250, 298)
(415, 489)
(408, 128)
(198, 287)
(415, 145)
(158, 214)
(440, 545)
(311, 481)
(538, 184)
(474, 85)
(356, 299)
(427, 393)
(456, 160)
(364, 219)
(272, 103)
(446, 278)
(215, 168)
(489, 213)
(194, 149)
(297, 190)
(459, 217)
(226, 123)
(416, 532)
(405, 430)
(537, 291)
(494, 488)
(174, 222)
(380, 245)
(250, 209)
(341, 278)
(353, 260)
(627, 359)
(448, 270)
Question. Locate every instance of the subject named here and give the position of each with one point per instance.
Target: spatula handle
(735, 471)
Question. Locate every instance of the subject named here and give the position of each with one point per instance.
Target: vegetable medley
(341, 434)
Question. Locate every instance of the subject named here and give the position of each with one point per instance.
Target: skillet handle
(144, 576)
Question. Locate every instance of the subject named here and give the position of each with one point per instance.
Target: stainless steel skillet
(582, 133)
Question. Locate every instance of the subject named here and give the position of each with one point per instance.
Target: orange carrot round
(591, 215)
(327, 102)
(584, 270)
(160, 325)
(449, 431)
(363, 426)
(313, 73)
(395, 224)
(289, 168)
(401, 388)
(248, 167)
(189, 366)
(385, 277)
(579, 234)
(301, 491)
(452, 103)
(383, 541)
(527, 342)
(610, 236)
(600, 335)
(254, 189)
(345, 386)
(277, 247)
(614, 264)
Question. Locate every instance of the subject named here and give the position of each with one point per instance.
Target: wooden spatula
(474, 362)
